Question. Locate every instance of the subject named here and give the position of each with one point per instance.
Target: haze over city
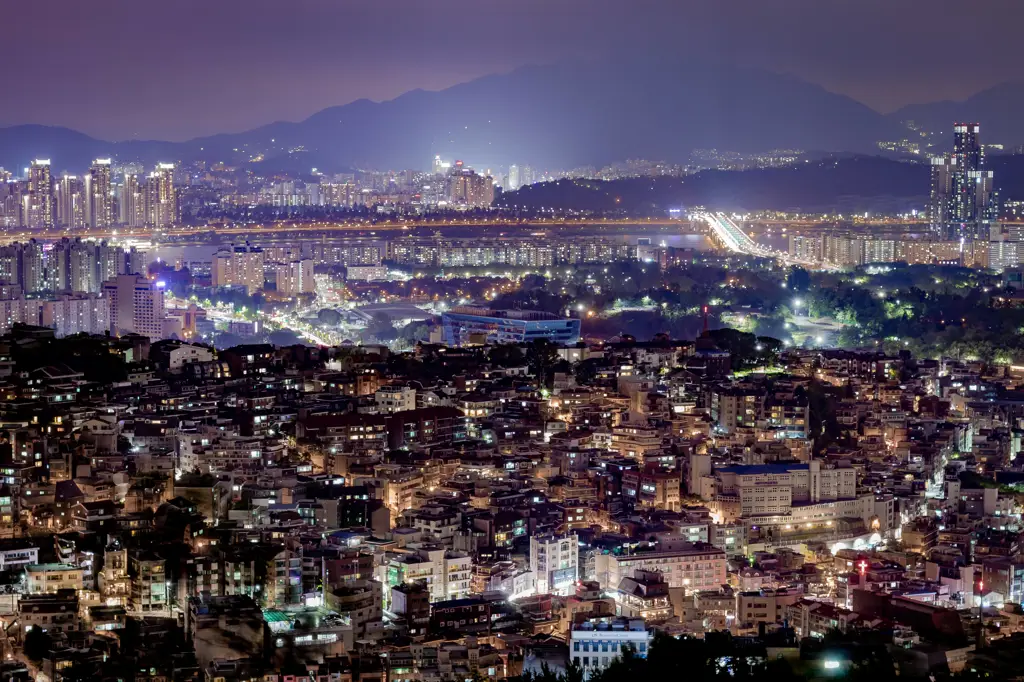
(173, 71)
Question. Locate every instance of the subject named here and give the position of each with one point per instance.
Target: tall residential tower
(963, 201)
(99, 194)
(38, 209)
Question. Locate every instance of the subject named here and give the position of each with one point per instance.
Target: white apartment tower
(136, 306)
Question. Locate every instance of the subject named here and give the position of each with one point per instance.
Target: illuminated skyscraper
(70, 202)
(161, 197)
(963, 201)
(441, 167)
(39, 195)
(100, 199)
(132, 204)
(526, 176)
(967, 151)
(513, 178)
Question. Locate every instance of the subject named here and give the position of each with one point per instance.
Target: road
(143, 233)
(284, 227)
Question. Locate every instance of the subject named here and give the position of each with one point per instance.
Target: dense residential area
(501, 511)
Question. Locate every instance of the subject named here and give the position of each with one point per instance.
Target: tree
(381, 328)
(823, 426)
(798, 279)
(37, 644)
(414, 332)
(541, 356)
(283, 338)
(586, 371)
(505, 355)
(329, 317)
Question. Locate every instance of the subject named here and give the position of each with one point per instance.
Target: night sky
(175, 69)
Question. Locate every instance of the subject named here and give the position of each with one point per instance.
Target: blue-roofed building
(460, 326)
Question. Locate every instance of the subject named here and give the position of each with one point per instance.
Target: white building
(48, 578)
(187, 353)
(136, 306)
(694, 566)
(369, 273)
(446, 573)
(595, 643)
(554, 561)
(391, 399)
(18, 556)
(773, 489)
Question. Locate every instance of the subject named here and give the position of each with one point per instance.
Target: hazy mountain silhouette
(844, 185)
(556, 116)
(997, 109)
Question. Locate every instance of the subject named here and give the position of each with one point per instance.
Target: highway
(285, 227)
(179, 231)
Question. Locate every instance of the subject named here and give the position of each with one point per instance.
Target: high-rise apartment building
(75, 313)
(70, 202)
(967, 150)
(441, 167)
(68, 265)
(161, 197)
(99, 195)
(806, 247)
(295, 277)
(514, 179)
(56, 266)
(110, 262)
(71, 265)
(469, 189)
(10, 201)
(963, 202)
(38, 199)
(136, 306)
(137, 261)
(238, 266)
(526, 176)
(82, 270)
(33, 274)
(131, 203)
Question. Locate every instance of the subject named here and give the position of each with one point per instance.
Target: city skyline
(659, 353)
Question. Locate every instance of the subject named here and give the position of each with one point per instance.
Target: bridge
(736, 240)
(730, 234)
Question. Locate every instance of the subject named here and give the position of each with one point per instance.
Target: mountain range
(554, 116)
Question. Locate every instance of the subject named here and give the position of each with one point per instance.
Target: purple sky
(180, 68)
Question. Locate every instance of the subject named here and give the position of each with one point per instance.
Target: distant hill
(997, 109)
(850, 185)
(557, 116)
